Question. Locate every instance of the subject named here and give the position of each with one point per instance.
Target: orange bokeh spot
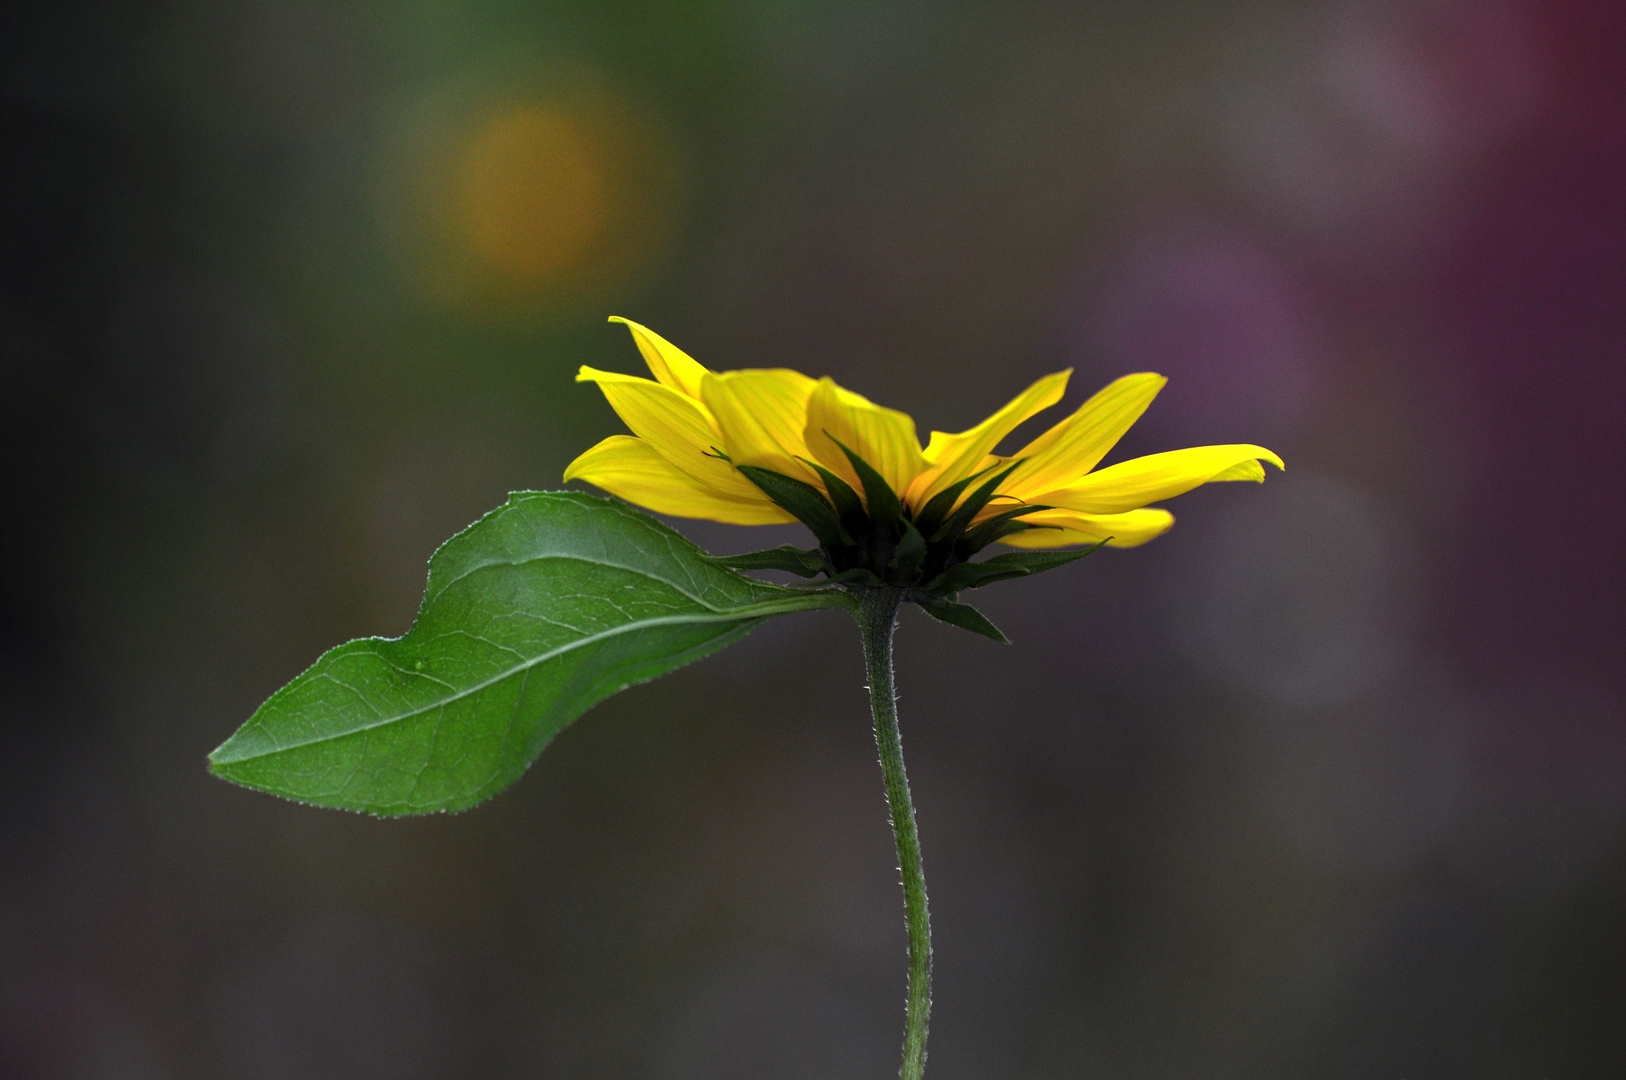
(531, 193)
(528, 198)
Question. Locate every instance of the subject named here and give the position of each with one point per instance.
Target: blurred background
(1328, 782)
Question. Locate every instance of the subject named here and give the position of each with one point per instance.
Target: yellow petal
(1077, 444)
(761, 414)
(633, 470)
(885, 438)
(1125, 530)
(670, 365)
(952, 458)
(1243, 470)
(654, 411)
(677, 427)
(1143, 480)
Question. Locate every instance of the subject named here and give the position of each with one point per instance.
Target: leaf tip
(220, 765)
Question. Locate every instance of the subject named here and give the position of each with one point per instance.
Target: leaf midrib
(773, 607)
(434, 590)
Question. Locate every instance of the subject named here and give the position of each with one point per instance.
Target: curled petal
(1142, 480)
(633, 470)
(951, 458)
(677, 427)
(1077, 444)
(761, 414)
(1126, 530)
(885, 438)
(671, 366)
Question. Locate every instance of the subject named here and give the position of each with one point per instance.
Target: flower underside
(762, 446)
(875, 539)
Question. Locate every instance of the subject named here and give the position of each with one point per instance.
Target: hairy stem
(877, 616)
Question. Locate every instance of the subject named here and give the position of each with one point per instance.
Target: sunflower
(764, 446)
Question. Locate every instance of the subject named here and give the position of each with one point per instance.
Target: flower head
(761, 446)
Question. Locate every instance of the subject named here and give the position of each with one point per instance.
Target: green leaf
(1002, 567)
(800, 561)
(964, 616)
(542, 608)
(801, 500)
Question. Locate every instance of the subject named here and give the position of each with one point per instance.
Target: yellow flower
(744, 447)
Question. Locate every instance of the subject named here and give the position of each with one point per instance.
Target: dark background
(1328, 782)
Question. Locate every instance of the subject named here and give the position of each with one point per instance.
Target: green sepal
(804, 562)
(954, 613)
(910, 554)
(849, 507)
(1006, 528)
(1003, 567)
(884, 509)
(859, 575)
(1037, 562)
(957, 523)
(994, 528)
(938, 506)
(802, 501)
(970, 576)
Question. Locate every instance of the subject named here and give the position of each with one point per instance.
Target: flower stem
(877, 616)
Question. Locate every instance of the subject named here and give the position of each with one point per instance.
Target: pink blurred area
(1329, 781)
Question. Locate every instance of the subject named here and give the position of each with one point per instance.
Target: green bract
(548, 604)
(873, 543)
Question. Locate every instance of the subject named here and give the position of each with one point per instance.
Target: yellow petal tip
(1261, 454)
